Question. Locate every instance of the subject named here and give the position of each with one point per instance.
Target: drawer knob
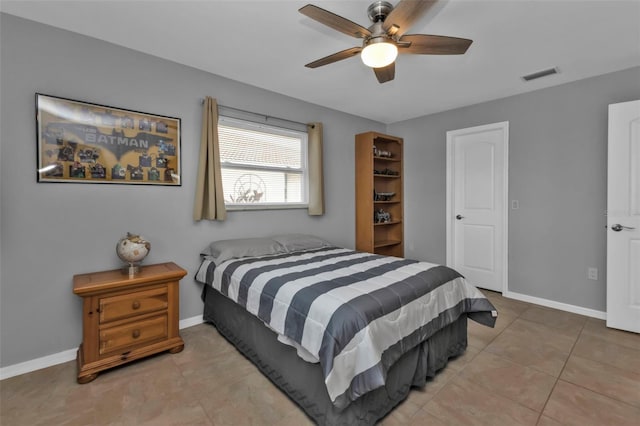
(135, 334)
(135, 304)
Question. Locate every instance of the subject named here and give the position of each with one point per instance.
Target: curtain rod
(266, 117)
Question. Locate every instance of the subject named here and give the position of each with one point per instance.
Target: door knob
(617, 227)
(459, 217)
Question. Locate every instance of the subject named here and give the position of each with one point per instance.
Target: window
(262, 166)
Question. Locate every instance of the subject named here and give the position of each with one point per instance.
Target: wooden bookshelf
(379, 171)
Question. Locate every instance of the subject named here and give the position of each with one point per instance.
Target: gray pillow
(297, 242)
(243, 247)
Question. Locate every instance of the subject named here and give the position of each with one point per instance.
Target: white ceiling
(266, 44)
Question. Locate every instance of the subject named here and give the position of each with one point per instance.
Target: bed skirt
(303, 382)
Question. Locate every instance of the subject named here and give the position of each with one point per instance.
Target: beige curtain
(316, 177)
(209, 202)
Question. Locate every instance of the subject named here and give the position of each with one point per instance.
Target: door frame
(504, 126)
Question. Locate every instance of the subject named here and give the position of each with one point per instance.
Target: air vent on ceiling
(540, 74)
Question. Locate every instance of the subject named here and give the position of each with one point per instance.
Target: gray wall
(51, 231)
(557, 170)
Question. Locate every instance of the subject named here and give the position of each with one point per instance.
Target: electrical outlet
(515, 204)
(592, 273)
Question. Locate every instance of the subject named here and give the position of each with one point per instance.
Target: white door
(477, 177)
(623, 217)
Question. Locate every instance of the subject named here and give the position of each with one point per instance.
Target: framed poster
(83, 142)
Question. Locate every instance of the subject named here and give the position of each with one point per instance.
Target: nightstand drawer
(132, 304)
(116, 339)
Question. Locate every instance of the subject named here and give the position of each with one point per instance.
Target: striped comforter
(354, 312)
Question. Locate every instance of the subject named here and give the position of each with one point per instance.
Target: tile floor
(538, 366)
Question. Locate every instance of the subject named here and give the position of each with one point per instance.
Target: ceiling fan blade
(385, 74)
(405, 14)
(334, 21)
(424, 44)
(343, 54)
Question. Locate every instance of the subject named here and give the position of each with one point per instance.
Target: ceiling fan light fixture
(385, 36)
(379, 53)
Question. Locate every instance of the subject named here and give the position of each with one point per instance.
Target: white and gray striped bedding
(355, 312)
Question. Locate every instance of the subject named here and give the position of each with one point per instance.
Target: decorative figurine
(77, 170)
(153, 174)
(382, 196)
(132, 249)
(98, 171)
(136, 172)
(381, 153)
(118, 172)
(382, 216)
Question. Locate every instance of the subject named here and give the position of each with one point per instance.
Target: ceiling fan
(385, 38)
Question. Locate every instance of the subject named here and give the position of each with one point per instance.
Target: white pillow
(243, 247)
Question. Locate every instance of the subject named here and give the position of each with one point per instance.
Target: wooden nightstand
(127, 318)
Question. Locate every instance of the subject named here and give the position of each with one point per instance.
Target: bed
(344, 334)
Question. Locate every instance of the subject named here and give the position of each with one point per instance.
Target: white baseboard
(37, 364)
(70, 354)
(190, 322)
(66, 356)
(557, 305)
